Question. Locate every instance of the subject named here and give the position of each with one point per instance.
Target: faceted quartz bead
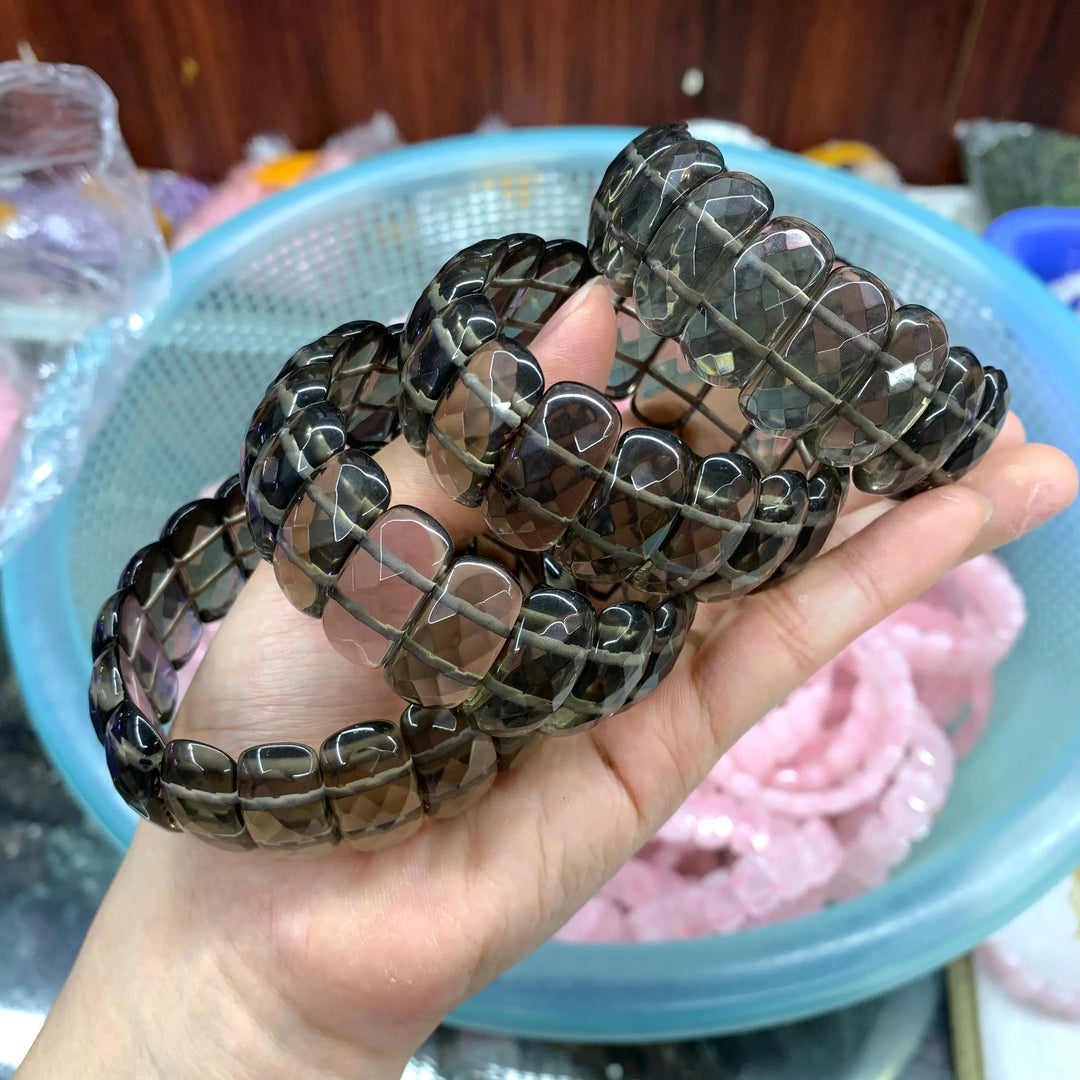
(341, 500)
(636, 350)
(451, 337)
(653, 183)
(563, 267)
(455, 763)
(988, 422)
(755, 303)
(107, 689)
(549, 469)
(156, 583)
(319, 351)
(725, 488)
(629, 516)
(468, 272)
(696, 243)
(773, 533)
(370, 785)
(133, 752)
(198, 541)
(296, 390)
(365, 383)
(937, 432)
(516, 270)
(231, 494)
(282, 798)
(198, 784)
(309, 439)
(671, 623)
(538, 666)
(623, 167)
(446, 651)
(478, 416)
(383, 583)
(901, 381)
(833, 346)
(514, 750)
(616, 663)
(129, 662)
(825, 497)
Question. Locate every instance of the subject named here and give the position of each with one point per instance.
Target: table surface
(55, 867)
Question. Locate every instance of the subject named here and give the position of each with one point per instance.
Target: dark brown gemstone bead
(135, 656)
(697, 242)
(198, 541)
(937, 432)
(755, 303)
(370, 785)
(551, 467)
(562, 269)
(625, 164)
(629, 516)
(652, 184)
(340, 502)
(833, 346)
(447, 651)
(481, 411)
(231, 495)
(516, 270)
(538, 666)
(825, 497)
(466, 273)
(198, 784)
(298, 389)
(365, 382)
(671, 623)
(384, 582)
(636, 350)
(155, 582)
(318, 351)
(282, 798)
(452, 336)
(133, 752)
(513, 751)
(107, 689)
(901, 382)
(309, 439)
(725, 489)
(775, 529)
(616, 663)
(993, 410)
(455, 763)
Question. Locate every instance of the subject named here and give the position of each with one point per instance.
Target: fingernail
(988, 507)
(569, 307)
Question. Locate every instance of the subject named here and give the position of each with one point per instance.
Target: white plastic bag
(82, 271)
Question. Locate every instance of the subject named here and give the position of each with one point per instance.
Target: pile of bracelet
(743, 344)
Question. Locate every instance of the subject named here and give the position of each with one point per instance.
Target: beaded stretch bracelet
(371, 783)
(817, 349)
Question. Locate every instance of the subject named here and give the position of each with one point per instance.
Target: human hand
(263, 965)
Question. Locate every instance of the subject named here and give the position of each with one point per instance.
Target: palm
(397, 938)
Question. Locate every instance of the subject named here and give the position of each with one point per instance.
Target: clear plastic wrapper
(82, 271)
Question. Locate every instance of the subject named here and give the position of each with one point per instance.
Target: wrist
(162, 988)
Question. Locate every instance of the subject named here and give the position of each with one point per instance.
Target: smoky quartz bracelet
(552, 663)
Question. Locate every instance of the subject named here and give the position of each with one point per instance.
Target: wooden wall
(197, 78)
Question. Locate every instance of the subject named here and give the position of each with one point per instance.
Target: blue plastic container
(1046, 239)
(362, 242)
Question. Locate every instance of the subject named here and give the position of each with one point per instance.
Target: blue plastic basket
(362, 242)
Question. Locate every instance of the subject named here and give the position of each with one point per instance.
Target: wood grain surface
(197, 78)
